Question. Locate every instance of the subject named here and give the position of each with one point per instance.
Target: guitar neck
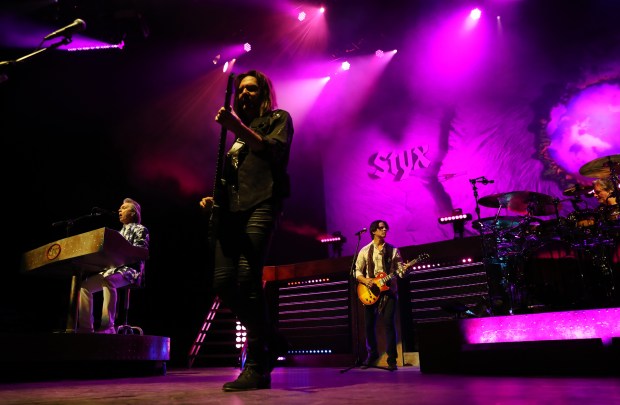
(219, 168)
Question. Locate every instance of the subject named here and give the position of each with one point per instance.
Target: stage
(80, 355)
(319, 386)
(553, 343)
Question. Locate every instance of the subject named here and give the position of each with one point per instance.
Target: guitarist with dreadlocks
(255, 183)
(376, 260)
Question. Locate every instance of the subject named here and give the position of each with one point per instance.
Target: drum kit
(509, 241)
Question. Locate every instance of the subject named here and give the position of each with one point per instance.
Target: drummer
(603, 189)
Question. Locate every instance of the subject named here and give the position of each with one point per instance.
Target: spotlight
(228, 65)
(379, 53)
(301, 16)
(247, 47)
(475, 14)
(345, 66)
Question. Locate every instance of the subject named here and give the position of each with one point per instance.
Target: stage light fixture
(240, 335)
(457, 219)
(120, 46)
(379, 53)
(301, 16)
(454, 218)
(247, 47)
(336, 240)
(228, 65)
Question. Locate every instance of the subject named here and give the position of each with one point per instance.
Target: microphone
(103, 211)
(482, 180)
(77, 26)
(361, 231)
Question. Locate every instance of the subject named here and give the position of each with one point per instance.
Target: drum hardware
(510, 241)
(497, 223)
(578, 190)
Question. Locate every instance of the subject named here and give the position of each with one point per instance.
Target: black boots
(252, 377)
(249, 379)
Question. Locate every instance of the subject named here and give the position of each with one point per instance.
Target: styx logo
(399, 164)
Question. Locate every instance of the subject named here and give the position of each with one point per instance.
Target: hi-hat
(522, 202)
(577, 190)
(601, 167)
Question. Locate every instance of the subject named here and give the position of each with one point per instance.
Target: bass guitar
(370, 295)
(218, 188)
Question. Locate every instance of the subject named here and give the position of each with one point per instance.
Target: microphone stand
(68, 223)
(354, 306)
(473, 183)
(10, 63)
(76, 277)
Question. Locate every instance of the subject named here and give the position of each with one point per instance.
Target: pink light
(301, 16)
(475, 14)
(331, 239)
(229, 65)
(120, 45)
(585, 324)
(345, 66)
(247, 47)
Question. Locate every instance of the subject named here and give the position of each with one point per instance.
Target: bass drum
(553, 277)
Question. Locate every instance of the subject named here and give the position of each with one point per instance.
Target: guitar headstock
(422, 257)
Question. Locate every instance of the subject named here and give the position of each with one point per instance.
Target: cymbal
(521, 202)
(601, 167)
(577, 190)
(499, 223)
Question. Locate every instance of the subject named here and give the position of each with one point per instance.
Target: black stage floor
(320, 385)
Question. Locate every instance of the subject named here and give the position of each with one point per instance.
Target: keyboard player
(111, 279)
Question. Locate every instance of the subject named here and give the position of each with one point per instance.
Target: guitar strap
(371, 263)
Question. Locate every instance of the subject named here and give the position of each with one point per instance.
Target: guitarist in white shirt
(375, 261)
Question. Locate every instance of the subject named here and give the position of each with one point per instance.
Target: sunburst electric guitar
(370, 295)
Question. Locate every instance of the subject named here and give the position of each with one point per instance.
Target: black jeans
(388, 315)
(240, 253)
